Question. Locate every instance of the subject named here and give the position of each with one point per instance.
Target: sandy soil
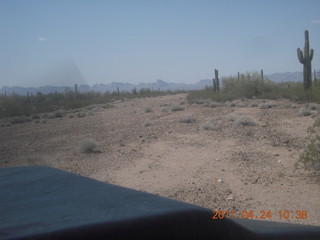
(230, 167)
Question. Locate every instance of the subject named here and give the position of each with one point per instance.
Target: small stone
(230, 198)
(220, 180)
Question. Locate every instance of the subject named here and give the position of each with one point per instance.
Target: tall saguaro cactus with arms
(305, 58)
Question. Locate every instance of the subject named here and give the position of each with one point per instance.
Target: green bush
(310, 158)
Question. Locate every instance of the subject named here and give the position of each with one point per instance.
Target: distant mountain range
(158, 85)
(286, 77)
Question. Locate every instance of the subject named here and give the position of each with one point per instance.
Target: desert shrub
(267, 105)
(294, 105)
(310, 158)
(212, 104)
(80, 115)
(21, 119)
(232, 117)
(304, 112)
(199, 101)
(230, 104)
(165, 104)
(209, 124)
(147, 123)
(253, 104)
(35, 116)
(88, 145)
(245, 121)
(56, 114)
(175, 108)
(313, 106)
(5, 122)
(188, 119)
(147, 110)
(240, 105)
(107, 106)
(51, 115)
(315, 125)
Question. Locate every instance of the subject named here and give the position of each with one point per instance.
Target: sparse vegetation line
(255, 85)
(16, 105)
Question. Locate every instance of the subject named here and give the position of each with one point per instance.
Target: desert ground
(232, 157)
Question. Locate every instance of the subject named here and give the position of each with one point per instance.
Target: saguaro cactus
(305, 58)
(216, 78)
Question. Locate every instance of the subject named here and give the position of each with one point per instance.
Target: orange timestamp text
(263, 214)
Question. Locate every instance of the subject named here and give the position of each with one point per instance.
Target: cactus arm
(300, 56)
(311, 54)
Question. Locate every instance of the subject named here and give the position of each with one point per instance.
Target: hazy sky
(145, 40)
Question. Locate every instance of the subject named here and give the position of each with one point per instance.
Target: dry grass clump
(21, 119)
(199, 101)
(147, 123)
(267, 105)
(165, 104)
(88, 145)
(209, 124)
(313, 106)
(147, 110)
(56, 114)
(188, 119)
(232, 117)
(253, 104)
(80, 115)
(211, 104)
(5, 123)
(294, 105)
(304, 112)
(175, 108)
(35, 116)
(240, 105)
(245, 121)
(230, 104)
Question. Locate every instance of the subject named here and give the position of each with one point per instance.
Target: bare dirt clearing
(224, 158)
